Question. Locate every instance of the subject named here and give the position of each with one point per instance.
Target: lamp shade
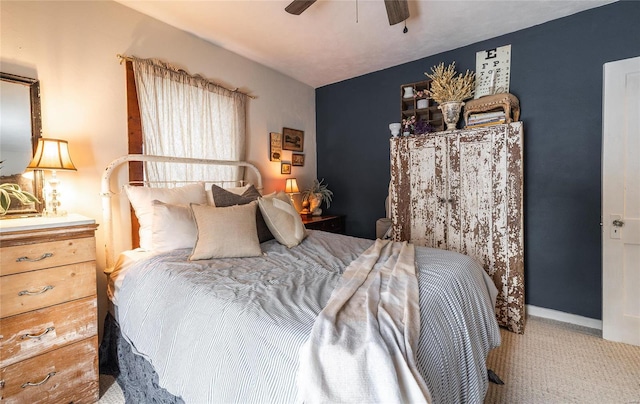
(291, 186)
(52, 154)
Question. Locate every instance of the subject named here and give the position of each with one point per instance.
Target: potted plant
(450, 91)
(314, 196)
(8, 191)
(408, 125)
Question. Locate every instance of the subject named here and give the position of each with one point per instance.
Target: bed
(227, 328)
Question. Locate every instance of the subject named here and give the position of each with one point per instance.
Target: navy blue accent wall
(556, 72)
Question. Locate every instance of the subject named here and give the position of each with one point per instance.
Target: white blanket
(362, 345)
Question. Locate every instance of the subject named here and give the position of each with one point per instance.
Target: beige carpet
(551, 363)
(110, 392)
(555, 362)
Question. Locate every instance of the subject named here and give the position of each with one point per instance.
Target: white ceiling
(334, 40)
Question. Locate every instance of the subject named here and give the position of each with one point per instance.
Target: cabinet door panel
(400, 189)
(471, 188)
(427, 164)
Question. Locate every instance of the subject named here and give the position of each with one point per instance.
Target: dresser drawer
(68, 374)
(33, 290)
(29, 257)
(34, 333)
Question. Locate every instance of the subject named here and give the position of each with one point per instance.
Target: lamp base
(54, 213)
(52, 205)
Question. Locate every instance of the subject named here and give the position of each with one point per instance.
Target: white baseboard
(564, 317)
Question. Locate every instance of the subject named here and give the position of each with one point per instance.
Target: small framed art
(275, 146)
(285, 167)
(297, 159)
(292, 139)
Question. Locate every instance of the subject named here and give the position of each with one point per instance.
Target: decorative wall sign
(285, 167)
(275, 146)
(493, 71)
(292, 139)
(297, 159)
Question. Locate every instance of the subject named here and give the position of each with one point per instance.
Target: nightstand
(48, 310)
(332, 224)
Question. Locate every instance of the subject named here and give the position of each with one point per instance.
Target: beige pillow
(173, 227)
(141, 199)
(282, 219)
(223, 198)
(228, 232)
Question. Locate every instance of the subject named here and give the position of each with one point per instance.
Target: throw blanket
(362, 345)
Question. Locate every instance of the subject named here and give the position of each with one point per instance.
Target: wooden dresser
(48, 310)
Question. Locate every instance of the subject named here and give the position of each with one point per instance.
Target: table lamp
(53, 155)
(291, 188)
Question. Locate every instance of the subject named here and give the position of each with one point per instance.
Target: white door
(621, 202)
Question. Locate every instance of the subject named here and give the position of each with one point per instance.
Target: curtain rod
(177, 70)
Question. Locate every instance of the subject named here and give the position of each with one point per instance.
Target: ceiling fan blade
(397, 10)
(296, 7)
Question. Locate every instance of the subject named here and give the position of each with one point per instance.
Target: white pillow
(282, 219)
(173, 227)
(228, 232)
(233, 190)
(141, 199)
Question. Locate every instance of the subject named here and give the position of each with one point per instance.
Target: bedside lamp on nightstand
(52, 154)
(291, 188)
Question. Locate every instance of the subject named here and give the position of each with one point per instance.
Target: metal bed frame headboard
(106, 193)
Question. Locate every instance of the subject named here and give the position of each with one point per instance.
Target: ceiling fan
(397, 10)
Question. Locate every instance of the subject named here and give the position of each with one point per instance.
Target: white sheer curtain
(188, 116)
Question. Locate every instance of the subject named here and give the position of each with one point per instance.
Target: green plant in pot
(8, 191)
(315, 195)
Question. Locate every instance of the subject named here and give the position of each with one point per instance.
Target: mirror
(20, 129)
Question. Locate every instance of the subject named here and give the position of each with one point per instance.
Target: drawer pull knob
(27, 259)
(26, 292)
(43, 333)
(43, 381)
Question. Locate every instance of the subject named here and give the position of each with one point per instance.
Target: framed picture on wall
(275, 146)
(292, 139)
(285, 167)
(297, 159)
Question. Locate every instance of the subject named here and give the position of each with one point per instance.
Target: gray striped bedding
(229, 330)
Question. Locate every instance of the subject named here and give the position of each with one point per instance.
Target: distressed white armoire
(462, 190)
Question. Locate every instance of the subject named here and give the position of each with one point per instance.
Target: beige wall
(71, 48)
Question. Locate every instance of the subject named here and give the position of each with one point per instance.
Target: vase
(408, 92)
(422, 104)
(315, 200)
(395, 128)
(451, 113)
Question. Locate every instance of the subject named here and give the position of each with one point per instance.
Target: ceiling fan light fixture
(296, 7)
(397, 10)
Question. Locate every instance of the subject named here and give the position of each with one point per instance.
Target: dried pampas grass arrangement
(446, 86)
